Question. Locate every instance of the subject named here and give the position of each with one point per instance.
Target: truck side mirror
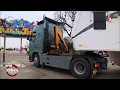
(28, 37)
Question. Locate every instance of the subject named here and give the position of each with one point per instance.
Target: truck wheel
(80, 68)
(36, 60)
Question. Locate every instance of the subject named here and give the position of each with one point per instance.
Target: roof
(50, 20)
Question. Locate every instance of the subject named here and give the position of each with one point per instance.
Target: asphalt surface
(29, 71)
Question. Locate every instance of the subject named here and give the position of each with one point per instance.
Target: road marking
(19, 65)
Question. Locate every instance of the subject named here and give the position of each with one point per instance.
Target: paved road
(31, 72)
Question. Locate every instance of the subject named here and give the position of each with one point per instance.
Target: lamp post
(4, 51)
(4, 41)
(4, 46)
(21, 45)
(21, 22)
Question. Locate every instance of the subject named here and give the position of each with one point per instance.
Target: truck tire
(80, 68)
(36, 60)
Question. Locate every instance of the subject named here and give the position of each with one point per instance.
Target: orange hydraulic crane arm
(57, 36)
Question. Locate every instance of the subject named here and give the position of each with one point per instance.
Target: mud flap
(94, 72)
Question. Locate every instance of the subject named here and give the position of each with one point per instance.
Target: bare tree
(67, 18)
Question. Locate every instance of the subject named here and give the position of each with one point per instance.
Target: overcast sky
(26, 15)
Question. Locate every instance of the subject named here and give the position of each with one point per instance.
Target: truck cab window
(100, 20)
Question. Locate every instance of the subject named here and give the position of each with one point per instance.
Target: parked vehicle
(92, 31)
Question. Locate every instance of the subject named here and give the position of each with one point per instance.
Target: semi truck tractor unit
(48, 48)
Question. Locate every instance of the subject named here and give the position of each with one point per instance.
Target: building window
(100, 20)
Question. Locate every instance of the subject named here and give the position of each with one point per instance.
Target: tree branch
(68, 25)
(66, 17)
(67, 31)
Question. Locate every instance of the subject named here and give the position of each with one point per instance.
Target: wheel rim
(35, 59)
(79, 68)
